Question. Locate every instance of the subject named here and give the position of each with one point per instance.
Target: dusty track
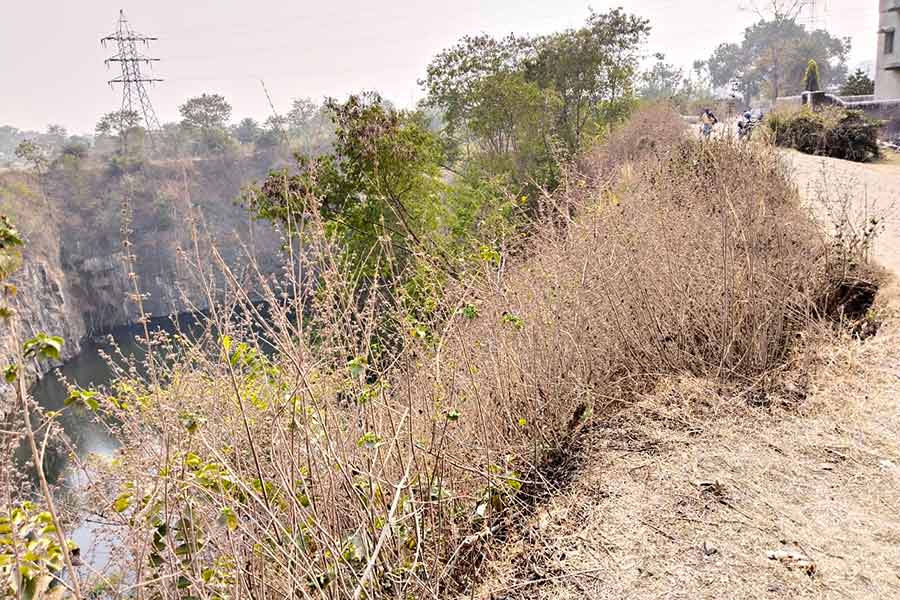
(685, 495)
(874, 188)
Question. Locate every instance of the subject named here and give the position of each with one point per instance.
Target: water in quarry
(87, 434)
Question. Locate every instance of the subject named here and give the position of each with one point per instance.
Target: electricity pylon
(134, 93)
(816, 14)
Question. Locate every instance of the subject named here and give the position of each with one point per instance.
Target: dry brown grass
(684, 494)
(315, 474)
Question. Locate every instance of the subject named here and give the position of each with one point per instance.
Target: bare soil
(689, 493)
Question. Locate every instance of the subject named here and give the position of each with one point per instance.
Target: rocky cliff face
(75, 279)
(46, 303)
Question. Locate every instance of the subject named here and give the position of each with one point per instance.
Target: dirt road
(873, 188)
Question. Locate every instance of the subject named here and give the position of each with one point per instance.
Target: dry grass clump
(316, 471)
(652, 130)
(685, 495)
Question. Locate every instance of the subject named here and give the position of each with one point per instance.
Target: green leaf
(514, 320)
(10, 373)
(370, 440)
(9, 235)
(191, 422)
(357, 367)
(226, 343)
(514, 480)
(453, 415)
(86, 398)
(489, 255)
(122, 502)
(228, 518)
(192, 460)
(44, 346)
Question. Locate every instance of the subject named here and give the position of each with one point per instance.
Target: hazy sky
(52, 71)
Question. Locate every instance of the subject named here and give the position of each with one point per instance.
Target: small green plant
(44, 346)
(514, 320)
(10, 248)
(30, 551)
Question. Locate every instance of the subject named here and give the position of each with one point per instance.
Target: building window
(888, 42)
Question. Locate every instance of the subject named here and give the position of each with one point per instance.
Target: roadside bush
(314, 472)
(833, 132)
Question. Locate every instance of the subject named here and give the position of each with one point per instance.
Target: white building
(887, 73)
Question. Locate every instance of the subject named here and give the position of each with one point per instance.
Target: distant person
(707, 120)
(749, 121)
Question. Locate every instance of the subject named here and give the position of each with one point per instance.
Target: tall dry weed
(313, 471)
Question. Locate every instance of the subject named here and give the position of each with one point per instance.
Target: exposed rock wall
(75, 279)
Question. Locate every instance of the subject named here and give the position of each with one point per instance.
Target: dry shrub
(834, 132)
(310, 472)
(653, 129)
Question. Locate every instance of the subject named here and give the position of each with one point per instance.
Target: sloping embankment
(690, 495)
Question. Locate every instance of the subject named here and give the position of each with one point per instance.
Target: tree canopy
(380, 180)
(771, 59)
(572, 82)
(208, 111)
(117, 123)
(858, 84)
(662, 81)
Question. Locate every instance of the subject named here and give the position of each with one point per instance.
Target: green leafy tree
(858, 84)
(205, 118)
(384, 198)
(303, 112)
(57, 131)
(453, 78)
(307, 122)
(247, 131)
(72, 153)
(663, 81)
(175, 140)
(522, 102)
(117, 123)
(381, 182)
(205, 112)
(32, 154)
(513, 128)
(771, 59)
(592, 70)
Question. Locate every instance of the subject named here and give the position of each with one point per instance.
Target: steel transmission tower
(134, 91)
(816, 14)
